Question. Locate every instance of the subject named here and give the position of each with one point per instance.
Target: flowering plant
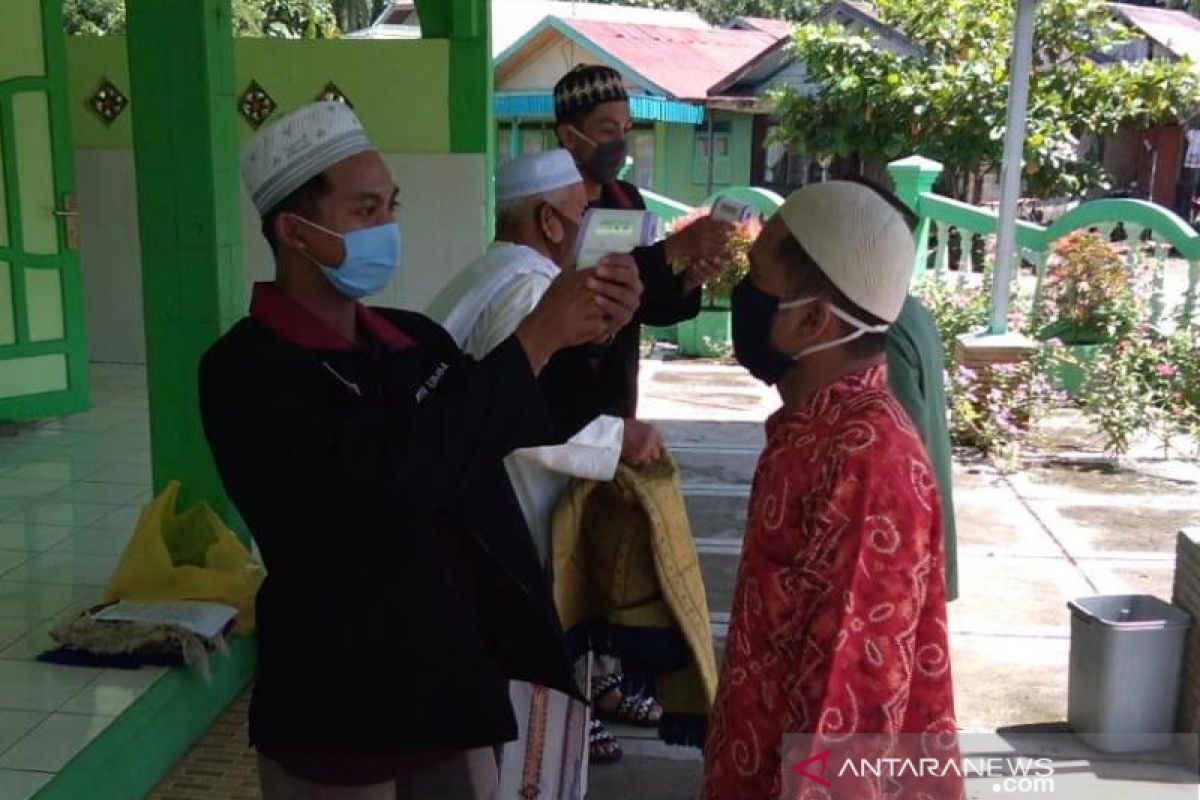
(1147, 384)
(736, 257)
(1087, 296)
(989, 410)
(993, 412)
(957, 308)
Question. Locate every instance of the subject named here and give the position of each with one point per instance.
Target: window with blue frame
(721, 141)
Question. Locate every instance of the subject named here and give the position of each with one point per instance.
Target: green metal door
(43, 364)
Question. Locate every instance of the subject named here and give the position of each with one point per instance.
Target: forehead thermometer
(604, 231)
(726, 209)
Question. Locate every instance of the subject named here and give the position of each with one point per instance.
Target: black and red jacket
(403, 587)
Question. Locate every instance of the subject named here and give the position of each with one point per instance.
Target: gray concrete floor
(1067, 524)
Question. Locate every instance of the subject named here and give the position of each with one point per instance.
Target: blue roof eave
(642, 107)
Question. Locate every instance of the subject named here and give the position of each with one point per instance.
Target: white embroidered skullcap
(536, 173)
(859, 241)
(286, 154)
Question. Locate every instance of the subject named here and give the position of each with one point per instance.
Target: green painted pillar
(185, 150)
(913, 177)
(472, 117)
(467, 26)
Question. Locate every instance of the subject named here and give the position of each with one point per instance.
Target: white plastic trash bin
(1126, 661)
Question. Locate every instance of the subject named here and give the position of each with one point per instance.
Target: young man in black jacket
(364, 452)
(592, 120)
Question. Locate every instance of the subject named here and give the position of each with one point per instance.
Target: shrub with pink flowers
(1148, 384)
(1144, 381)
(995, 415)
(990, 412)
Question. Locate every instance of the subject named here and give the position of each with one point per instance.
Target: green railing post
(913, 177)
(941, 261)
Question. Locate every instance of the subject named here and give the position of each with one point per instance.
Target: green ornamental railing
(914, 178)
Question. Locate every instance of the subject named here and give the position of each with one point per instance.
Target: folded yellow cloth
(623, 554)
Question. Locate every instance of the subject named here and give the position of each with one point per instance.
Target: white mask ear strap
(803, 301)
(583, 136)
(321, 228)
(862, 329)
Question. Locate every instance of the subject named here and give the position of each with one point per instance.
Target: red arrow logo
(821, 760)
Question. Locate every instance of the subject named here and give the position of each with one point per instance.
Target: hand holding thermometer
(604, 231)
(726, 209)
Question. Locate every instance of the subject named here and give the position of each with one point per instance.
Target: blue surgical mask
(372, 255)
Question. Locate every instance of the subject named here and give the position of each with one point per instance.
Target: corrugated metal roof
(775, 27)
(1177, 31)
(540, 105)
(685, 63)
(512, 19)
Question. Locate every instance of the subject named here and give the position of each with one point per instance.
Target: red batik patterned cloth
(839, 615)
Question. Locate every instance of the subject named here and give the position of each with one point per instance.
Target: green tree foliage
(94, 17)
(299, 19)
(353, 15)
(949, 101)
(289, 19)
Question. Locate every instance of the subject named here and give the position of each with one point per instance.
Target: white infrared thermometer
(726, 209)
(604, 231)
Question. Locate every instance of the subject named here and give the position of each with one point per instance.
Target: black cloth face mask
(753, 313)
(606, 159)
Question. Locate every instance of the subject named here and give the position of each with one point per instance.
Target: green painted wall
(398, 88)
(743, 142)
(90, 60)
(675, 167)
(386, 81)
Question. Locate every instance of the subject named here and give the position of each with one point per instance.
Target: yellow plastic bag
(188, 556)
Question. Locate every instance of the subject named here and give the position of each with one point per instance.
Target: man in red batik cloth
(839, 613)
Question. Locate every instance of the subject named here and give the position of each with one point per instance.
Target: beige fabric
(858, 240)
(471, 776)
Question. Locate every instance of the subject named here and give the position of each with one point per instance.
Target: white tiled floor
(70, 493)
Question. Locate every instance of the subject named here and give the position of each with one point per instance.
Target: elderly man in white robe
(540, 202)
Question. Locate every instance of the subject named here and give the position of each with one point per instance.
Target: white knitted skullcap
(284, 155)
(859, 241)
(536, 173)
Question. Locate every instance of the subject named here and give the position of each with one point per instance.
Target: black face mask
(753, 313)
(606, 160)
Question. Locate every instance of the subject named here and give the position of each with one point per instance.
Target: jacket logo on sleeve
(432, 381)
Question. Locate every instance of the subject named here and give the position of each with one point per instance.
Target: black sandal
(605, 685)
(637, 709)
(603, 747)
